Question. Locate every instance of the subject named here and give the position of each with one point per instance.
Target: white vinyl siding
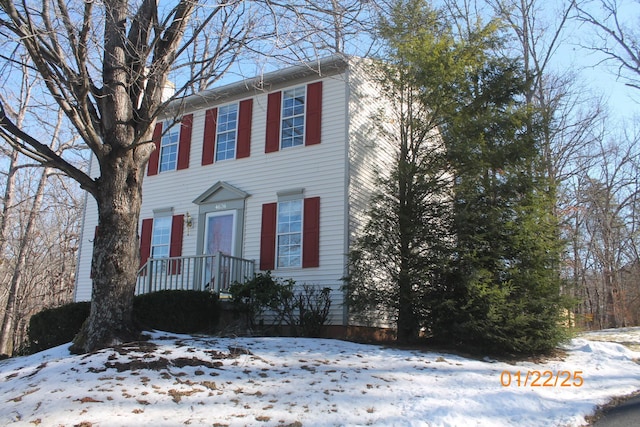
(370, 152)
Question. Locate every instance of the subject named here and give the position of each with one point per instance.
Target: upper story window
(173, 146)
(169, 149)
(226, 132)
(293, 102)
(289, 235)
(294, 117)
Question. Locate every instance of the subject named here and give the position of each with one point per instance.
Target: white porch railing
(201, 272)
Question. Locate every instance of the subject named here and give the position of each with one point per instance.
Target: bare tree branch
(614, 38)
(40, 152)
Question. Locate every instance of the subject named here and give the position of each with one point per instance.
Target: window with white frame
(226, 132)
(161, 239)
(169, 149)
(289, 234)
(293, 101)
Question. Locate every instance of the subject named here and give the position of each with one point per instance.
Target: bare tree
(40, 248)
(342, 24)
(10, 312)
(616, 35)
(569, 113)
(24, 95)
(27, 185)
(48, 270)
(604, 235)
(12, 271)
(106, 65)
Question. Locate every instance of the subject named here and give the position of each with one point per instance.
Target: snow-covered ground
(184, 380)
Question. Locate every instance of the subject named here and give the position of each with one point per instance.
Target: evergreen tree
(397, 259)
(503, 287)
(461, 240)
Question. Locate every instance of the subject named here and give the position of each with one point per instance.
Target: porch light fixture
(188, 222)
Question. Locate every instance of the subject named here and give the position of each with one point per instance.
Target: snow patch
(182, 379)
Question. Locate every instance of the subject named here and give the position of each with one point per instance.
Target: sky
(196, 380)
(593, 75)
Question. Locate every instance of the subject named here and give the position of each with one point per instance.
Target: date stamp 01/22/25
(541, 379)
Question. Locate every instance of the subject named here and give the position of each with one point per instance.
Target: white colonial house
(271, 173)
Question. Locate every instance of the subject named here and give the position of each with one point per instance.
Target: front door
(219, 236)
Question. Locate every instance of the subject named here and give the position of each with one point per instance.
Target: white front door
(219, 236)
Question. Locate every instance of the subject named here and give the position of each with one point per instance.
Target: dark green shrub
(305, 310)
(56, 326)
(178, 311)
(260, 294)
(172, 311)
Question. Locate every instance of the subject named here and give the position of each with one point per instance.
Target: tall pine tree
(503, 287)
(461, 241)
(403, 245)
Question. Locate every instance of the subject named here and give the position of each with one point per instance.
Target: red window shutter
(209, 140)
(145, 240)
(273, 122)
(314, 113)
(184, 145)
(175, 247)
(243, 148)
(154, 160)
(268, 236)
(311, 230)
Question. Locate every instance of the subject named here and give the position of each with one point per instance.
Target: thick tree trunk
(115, 258)
(119, 189)
(115, 116)
(407, 322)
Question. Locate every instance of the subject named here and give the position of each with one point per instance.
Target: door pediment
(220, 192)
(221, 198)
